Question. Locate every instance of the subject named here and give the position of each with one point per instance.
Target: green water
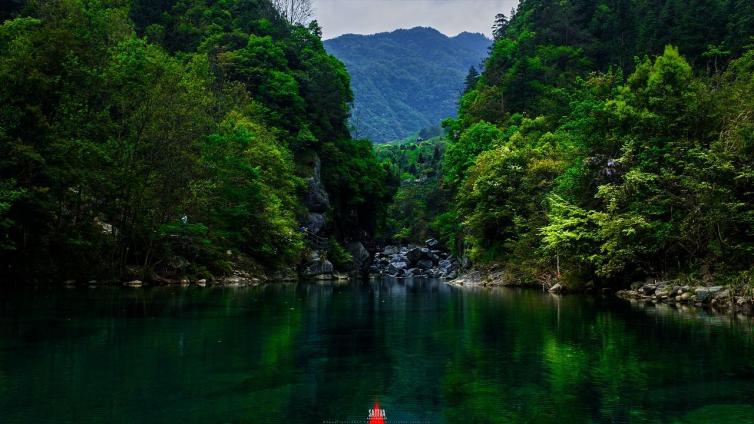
(313, 353)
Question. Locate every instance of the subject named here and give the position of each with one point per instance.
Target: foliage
(561, 164)
(169, 148)
(421, 197)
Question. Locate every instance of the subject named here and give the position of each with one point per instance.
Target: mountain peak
(407, 79)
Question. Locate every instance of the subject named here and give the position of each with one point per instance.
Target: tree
(471, 78)
(499, 26)
(295, 11)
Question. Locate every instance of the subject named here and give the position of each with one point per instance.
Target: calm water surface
(313, 353)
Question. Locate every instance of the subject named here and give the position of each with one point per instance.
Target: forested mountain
(172, 137)
(405, 80)
(608, 142)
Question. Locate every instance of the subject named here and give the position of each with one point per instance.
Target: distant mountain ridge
(407, 79)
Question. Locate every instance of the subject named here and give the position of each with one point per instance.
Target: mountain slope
(405, 80)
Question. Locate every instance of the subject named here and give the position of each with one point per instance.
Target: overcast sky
(450, 17)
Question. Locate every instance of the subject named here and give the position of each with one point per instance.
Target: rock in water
(134, 283)
(318, 267)
(557, 288)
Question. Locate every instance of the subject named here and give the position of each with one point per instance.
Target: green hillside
(405, 80)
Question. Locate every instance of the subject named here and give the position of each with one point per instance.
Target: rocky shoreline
(718, 298)
(413, 261)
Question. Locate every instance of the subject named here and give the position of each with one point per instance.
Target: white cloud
(450, 17)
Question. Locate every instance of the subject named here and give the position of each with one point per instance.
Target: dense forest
(178, 138)
(407, 79)
(608, 141)
(413, 215)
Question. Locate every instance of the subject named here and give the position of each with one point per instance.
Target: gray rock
(432, 243)
(445, 265)
(318, 267)
(316, 199)
(647, 289)
(702, 294)
(424, 264)
(663, 292)
(416, 254)
(315, 222)
(394, 267)
(557, 288)
(715, 289)
(390, 250)
(361, 258)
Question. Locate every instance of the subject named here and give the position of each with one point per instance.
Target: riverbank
(718, 298)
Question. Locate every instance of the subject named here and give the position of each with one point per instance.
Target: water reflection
(327, 351)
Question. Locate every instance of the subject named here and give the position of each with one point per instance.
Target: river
(325, 353)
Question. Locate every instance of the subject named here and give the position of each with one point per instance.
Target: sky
(338, 17)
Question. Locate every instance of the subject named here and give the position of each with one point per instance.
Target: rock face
(316, 266)
(415, 261)
(316, 199)
(315, 222)
(361, 257)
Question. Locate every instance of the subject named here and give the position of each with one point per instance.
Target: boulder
(424, 264)
(715, 289)
(133, 283)
(395, 267)
(418, 253)
(390, 250)
(702, 294)
(722, 294)
(361, 257)
(663, 292)
(318, 267)
(445, 265)
(557, 288)
(414, 255)
(647, 289)
(432, 243)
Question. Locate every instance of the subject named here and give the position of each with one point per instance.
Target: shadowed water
(290, 353)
